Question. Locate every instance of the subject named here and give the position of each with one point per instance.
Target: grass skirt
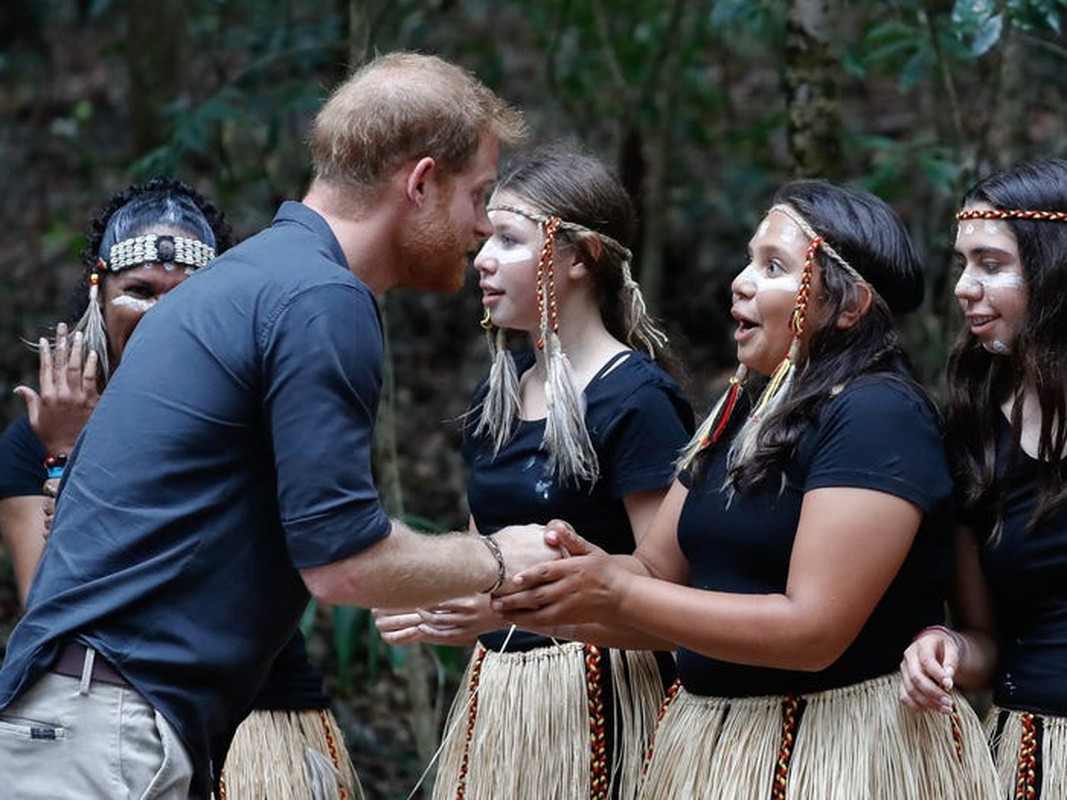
(1030, 752)
(854, 743)
(289, 755)
(535, 724)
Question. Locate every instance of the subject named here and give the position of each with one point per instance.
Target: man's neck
(365, 236)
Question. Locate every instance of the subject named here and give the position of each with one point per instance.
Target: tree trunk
(419, 661)
(155, 57)
(813, 90)
(1009, 136)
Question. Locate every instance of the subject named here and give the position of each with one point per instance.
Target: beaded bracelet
(501, 569)
(55, 463)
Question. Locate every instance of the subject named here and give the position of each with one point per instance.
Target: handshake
(537, 568)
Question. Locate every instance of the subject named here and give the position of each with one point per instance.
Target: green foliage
(693, 87)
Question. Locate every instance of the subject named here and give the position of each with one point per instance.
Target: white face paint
(789, 233)
(992, 289)
(133, 303)
(781, 283)
(990, 281)
(503, 253)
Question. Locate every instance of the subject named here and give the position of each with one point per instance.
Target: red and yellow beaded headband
(1012, 213)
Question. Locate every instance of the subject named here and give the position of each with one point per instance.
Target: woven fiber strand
(853, 742)
(268, 758)
(530, 711)
(1008, 746)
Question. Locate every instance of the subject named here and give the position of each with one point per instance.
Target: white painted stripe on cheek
(133, 303)
(783, 283)
(1000, 280)
(506, 255)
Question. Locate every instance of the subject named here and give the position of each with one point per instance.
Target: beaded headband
(1011, 213)
(153, 248)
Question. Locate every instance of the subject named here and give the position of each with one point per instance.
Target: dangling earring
(91, 325)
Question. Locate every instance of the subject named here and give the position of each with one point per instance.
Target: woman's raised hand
(68, 391)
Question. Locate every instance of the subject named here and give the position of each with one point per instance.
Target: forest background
(703, 106)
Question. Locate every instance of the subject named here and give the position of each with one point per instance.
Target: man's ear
(415, 185)
(850, 316)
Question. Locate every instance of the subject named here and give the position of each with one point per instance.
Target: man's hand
(581, 588)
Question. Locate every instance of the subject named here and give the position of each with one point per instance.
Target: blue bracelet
(55, 464)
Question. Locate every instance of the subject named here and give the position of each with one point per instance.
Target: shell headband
(153, 248)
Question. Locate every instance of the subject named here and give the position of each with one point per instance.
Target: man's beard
(433, 256)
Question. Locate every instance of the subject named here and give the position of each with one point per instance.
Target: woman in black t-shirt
(1007, 426)
(587, 425)
(803, 545)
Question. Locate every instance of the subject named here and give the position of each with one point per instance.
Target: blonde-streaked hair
(403, 106)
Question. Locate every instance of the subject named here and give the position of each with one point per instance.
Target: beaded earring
(92, 325)
(571, 455)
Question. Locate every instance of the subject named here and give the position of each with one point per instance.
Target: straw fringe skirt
(534, 725)
(1030, 752)
(854, 743)
(289, 755)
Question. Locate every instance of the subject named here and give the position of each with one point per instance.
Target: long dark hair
(980, 381)
(869, 235)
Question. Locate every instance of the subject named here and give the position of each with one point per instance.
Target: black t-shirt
(22, 455)
(1027, 574)
(877, 434)
(638, 422)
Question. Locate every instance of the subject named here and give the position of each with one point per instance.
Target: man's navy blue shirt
(231, 448)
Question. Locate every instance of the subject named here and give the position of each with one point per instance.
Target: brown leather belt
(71, 662)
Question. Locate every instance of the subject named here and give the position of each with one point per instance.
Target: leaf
(987, 36)
(970, 15)
(346, 635)
(914, 69)
(307, 619)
